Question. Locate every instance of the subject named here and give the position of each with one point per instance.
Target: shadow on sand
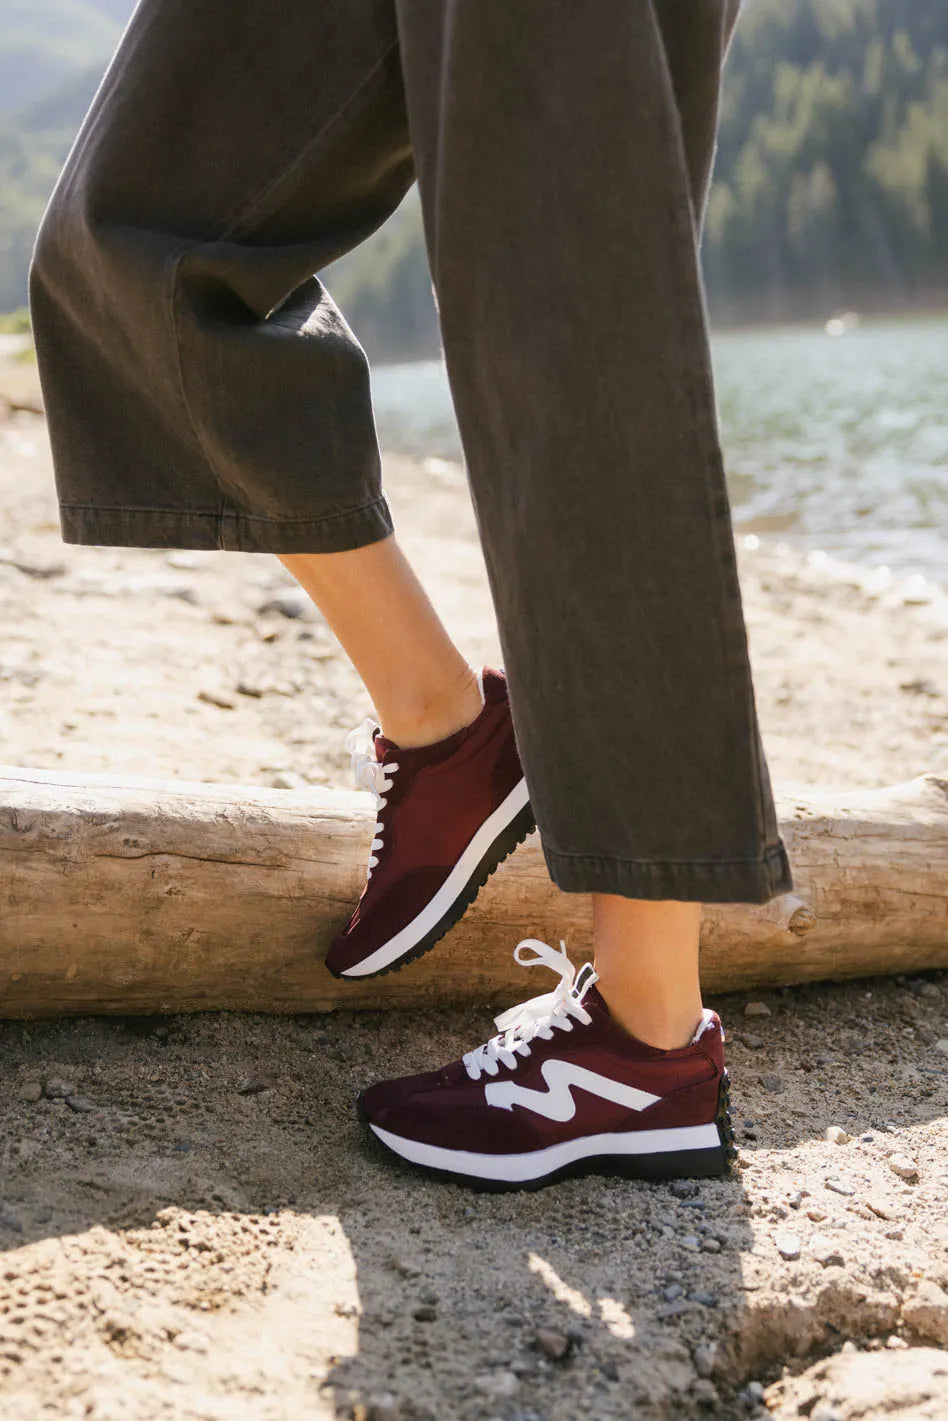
(214, 1236)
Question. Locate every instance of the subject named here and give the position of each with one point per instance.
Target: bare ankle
(668, 1026)
(424, 719)
(647, 960)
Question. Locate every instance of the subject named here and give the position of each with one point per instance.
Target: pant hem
(225, 529)
(712, 881)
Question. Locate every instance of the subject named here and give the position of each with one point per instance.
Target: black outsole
(710, 1163)
(502, 847)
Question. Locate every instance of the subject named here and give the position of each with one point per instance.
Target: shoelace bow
(369, 774)
(541, 1016)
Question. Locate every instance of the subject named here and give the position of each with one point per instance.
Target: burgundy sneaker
(562, 1090)
(449, 813)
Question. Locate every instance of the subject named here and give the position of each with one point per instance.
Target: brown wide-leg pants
(203, 391)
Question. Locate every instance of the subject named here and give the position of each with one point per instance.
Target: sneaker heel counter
(711, 1044)
(493, 685)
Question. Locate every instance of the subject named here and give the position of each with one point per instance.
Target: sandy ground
(192, 1225)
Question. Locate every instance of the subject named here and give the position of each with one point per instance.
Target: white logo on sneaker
(556, 1102)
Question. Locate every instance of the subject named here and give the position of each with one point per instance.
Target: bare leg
(647, 960)
(421, 686)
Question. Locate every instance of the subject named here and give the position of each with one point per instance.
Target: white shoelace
(541, 1016)
(369, 774)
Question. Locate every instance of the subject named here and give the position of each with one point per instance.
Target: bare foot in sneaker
(561, 1090)
(449, 813)
(441, 760)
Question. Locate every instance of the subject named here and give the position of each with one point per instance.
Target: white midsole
(450, 890)
(518, 1169)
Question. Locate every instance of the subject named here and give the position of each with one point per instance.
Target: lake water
(832, 442)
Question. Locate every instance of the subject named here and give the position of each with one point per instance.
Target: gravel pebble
(942, 1046)
(57, 1089)
(710, 1245)
(382, 1407)
(289, 604)
(683, 1188)
(825, 1251)
(31, 1090)
(924, 989)
(903, 1167)
(836, 1135)
(772, 1083)
(501, 1385)
(838, 1187)
(926, 1314)
(706, 1394)
(551, 1343)
(757, 1009)
(704, 1357)
(81, 1104)
(673, 1292)
(787, 1244)
(254, 1085)
(216, 698)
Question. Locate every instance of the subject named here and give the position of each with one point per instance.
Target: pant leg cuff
(708, 881)
(225, 529)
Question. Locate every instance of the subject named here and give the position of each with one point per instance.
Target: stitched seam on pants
(317, 138)
(692, 327)
(177, 255)
(123, 508)
(215, 512)
(776, 852)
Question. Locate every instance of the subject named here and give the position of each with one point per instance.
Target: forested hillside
(43, 43)
(831, 183)
(832, 174)
(52, 54)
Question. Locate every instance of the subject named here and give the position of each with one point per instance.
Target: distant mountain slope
(43, 43)
(52, 55)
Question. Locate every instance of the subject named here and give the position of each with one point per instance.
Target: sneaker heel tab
(710, 1021)
(709, 1039)
(491, 684)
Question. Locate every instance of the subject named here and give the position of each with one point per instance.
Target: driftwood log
(122, 896)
